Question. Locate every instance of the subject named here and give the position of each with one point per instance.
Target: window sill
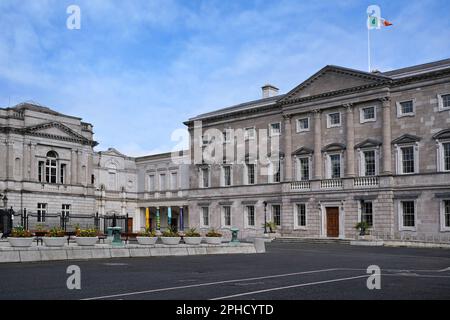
(411, 229)
(368, 121)
(406, 115)
(303, 131)
(301, 229)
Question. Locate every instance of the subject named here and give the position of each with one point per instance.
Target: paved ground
(286, 271)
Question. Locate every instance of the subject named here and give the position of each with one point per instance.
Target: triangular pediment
(113, 152)
(57, 131)
(406, 138)
(334, 79)
(369, 143)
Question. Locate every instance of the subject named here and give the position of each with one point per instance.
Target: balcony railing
(301, 185)
(331, 184)
(361, 182)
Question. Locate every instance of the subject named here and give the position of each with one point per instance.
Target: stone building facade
(344, 146)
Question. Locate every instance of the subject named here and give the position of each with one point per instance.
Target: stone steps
(312, 240)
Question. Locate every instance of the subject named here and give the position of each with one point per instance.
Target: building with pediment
(351, 146)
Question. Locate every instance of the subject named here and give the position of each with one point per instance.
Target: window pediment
(368, 143)
(406, 138)
(303, 151)
(334, 147)
(444, 134)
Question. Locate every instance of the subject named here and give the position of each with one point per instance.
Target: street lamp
(5, 202)
(265, 217)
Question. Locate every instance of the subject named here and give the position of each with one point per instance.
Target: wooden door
(130, 225)
(333, 222)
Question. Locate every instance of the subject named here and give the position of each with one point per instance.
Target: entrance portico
(161, 216)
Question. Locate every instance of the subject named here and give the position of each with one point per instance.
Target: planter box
(147, 241)
(192, 240)
(20, 242)
(213, 240)
(171, 240)
(86, 241)
(54, 241)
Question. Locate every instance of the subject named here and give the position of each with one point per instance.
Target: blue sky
(138, 69)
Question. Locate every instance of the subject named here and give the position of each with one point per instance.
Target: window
(65, 209)
(444, 102)
(62, 175)
(205, 217)
(162, 182)
(151, 183)
(407, 162)
(300, 221)
(174, 181)
(205, 178)
(249, 133)
(51, 167)
(405, 108)
(276, 171)
(335, 166)
(408, 214)
(227, 216)
(41, 212)
(227, 136)
(276, 214)
(41, 169)
(368, 114)
(303, 125)
(250, 216)
(369, 163)
(445, 215)
(303, 169)
(275, 129)
(334, 120)
(446, 149)
(227, 176)
(250, 173)
(367, 212)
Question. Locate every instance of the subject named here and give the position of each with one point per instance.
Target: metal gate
(115, 221)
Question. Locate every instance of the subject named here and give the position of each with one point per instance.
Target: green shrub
(55, 233)
(21, 232)
(192, 233)
(213, 233)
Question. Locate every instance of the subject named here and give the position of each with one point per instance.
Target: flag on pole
(375, 21)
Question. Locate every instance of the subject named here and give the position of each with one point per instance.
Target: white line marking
(209, 284)
(289, 287)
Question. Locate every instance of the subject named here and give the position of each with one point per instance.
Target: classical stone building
(342, 147)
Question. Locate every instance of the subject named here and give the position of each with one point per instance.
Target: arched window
(51, 167)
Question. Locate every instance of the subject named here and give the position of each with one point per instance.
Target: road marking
(208, 284)
(289, 287)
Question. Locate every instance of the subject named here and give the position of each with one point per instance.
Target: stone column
(73, 167)
(288, 148)
(33, 163)
(90, 165)
(10, 160)
(3, 160)
(317, 144)
(387, 137)
(350, 172)
(25, 161)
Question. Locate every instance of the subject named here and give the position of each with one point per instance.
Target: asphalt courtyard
(286, 271)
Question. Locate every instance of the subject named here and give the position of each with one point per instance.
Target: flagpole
(368, 48)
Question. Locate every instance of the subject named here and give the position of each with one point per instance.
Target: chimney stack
(269, 90)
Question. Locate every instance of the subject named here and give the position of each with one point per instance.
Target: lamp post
(5, 202)
(265, 217)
